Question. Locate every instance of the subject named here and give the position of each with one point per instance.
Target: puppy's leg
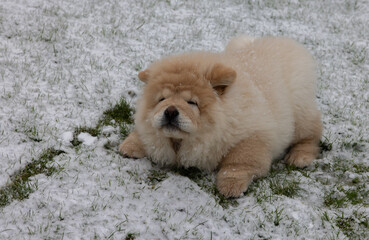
(305, 146)
(247, 160)
(132, 146)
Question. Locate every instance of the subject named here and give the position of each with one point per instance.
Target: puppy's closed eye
(192, 103)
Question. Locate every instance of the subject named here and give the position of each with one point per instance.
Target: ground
(68, 86)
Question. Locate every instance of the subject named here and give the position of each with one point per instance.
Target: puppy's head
(179, 94)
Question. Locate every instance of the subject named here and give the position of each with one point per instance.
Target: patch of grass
(277, 216)
(133, 175)
(156, 176)
(204, 181)
(325, 145)
(15, 190)
(353, 226)
(260, 190)
(90, 130)
(30, 131)
(281, 179)
(363, 220)
(41, 165)
(138, 66)
(344, 165)
(325, 216)
(345, 224)
(356, 54)
(33, 134)
(360, 168)
(19, 188)
(118, 115)
(332, 199)
(109, 145)
(341, 196)
(130, 236)
(280, 182)
(291, 170)
(354, 146)
(288, 188)
(359, 58)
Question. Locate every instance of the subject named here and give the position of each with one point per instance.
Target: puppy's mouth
(171, 126)
(170, 120)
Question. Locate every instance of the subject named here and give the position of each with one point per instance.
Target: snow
(86, 138)
(67, 137)
(63, 63)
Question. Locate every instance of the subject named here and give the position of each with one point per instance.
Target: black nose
(171, 113)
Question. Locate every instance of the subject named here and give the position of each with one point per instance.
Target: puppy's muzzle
(170, 118)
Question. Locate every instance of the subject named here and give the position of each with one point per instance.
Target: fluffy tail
(239, 43)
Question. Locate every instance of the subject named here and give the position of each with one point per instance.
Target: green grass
(31, 131)
(345, 224)
(353, 145)
(156, 176)
(325, 145)
(20, 188)
(92, 131)
(33, 134)
(343, 165)
(202, 179)
(119, 115)
(278, 216)
(344, 195)
(282, 180)
(206, 183)
(130, 236)
(355, 226)
(17, 190)
(285, 187)
(268, 189)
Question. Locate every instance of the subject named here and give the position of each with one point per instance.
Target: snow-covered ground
(63, 63)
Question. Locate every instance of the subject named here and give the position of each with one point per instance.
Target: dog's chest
(196, 155)
(176, 144)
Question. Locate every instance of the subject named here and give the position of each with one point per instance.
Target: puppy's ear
(221, 77)
(144, 75)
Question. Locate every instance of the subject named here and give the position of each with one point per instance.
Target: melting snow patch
(86, 138)
(108, 129)
(67, 136)
(3, 179)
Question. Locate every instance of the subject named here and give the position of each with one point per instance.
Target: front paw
(131, 149)
(232, 184)
(302, 155)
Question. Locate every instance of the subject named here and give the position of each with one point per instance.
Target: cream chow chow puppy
(233, 111)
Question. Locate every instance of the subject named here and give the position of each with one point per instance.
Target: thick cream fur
(269, 107)
(239, 43)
